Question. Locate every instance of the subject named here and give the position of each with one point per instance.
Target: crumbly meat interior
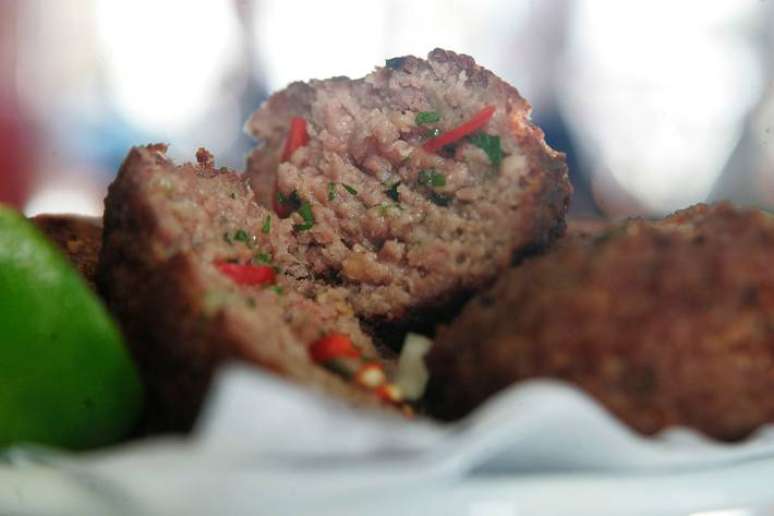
(166, 228)
(398, 226)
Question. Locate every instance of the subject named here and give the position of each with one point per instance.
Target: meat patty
(426, 179)
(581, 227)
(168, 231)
(80, 238)
(665, 323)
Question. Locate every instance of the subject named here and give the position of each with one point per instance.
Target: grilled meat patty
(180, 245)
(425, 179)
(666, 323)
(80, 238)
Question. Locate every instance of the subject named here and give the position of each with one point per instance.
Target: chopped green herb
(395, 63)
(489, 144)
(266, 225)
(440, 199)
(392, 192)
(432, 133)
(240, 235)
(262, 257)
(305, 210)
(278, 290)
(227, 238)
(331, 191)
(349, 189)
(431, 178)
(292, 200)
(427, 117)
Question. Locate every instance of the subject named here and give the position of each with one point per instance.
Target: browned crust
(666, 323)
(587, 227)
(79, 237)
(177, 343)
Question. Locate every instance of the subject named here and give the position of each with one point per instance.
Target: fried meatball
(666, 323)
(586, 227)
(426, 179)
(168, 233)
(80, 238)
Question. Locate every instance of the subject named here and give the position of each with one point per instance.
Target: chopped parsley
(440, 199)
(432, 133)
(266, 228)
(305, 210)
(240, 235)
(427, 117)
(431, 178)
(292, 200)
(349, 189)
(262, 257)
(395, 63)
(392, 192)
(331, 191)
(490, 145)
(278, 290)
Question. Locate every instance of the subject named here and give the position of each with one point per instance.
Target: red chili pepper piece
(248, 274)
(478, 121)
(332, 346)
(297, 137)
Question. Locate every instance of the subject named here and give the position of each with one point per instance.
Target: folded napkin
(265, 446)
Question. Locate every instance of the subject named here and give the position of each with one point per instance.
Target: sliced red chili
(478, 121)
(248, 274)
(297, 137)
(332, 346)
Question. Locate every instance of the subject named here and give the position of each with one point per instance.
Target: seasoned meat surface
(167, 231)
(667, 322)
(403, 228)
(79, 237)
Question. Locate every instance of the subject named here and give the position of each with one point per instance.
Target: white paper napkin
(265, 446)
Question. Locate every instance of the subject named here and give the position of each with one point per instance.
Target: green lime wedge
(66, 378)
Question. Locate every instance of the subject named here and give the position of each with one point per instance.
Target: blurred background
(658, 104)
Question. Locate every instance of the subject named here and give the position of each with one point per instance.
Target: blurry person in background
(647, 98)
(16, 167)
(656, 95)
(749, 175)
(100, 76)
